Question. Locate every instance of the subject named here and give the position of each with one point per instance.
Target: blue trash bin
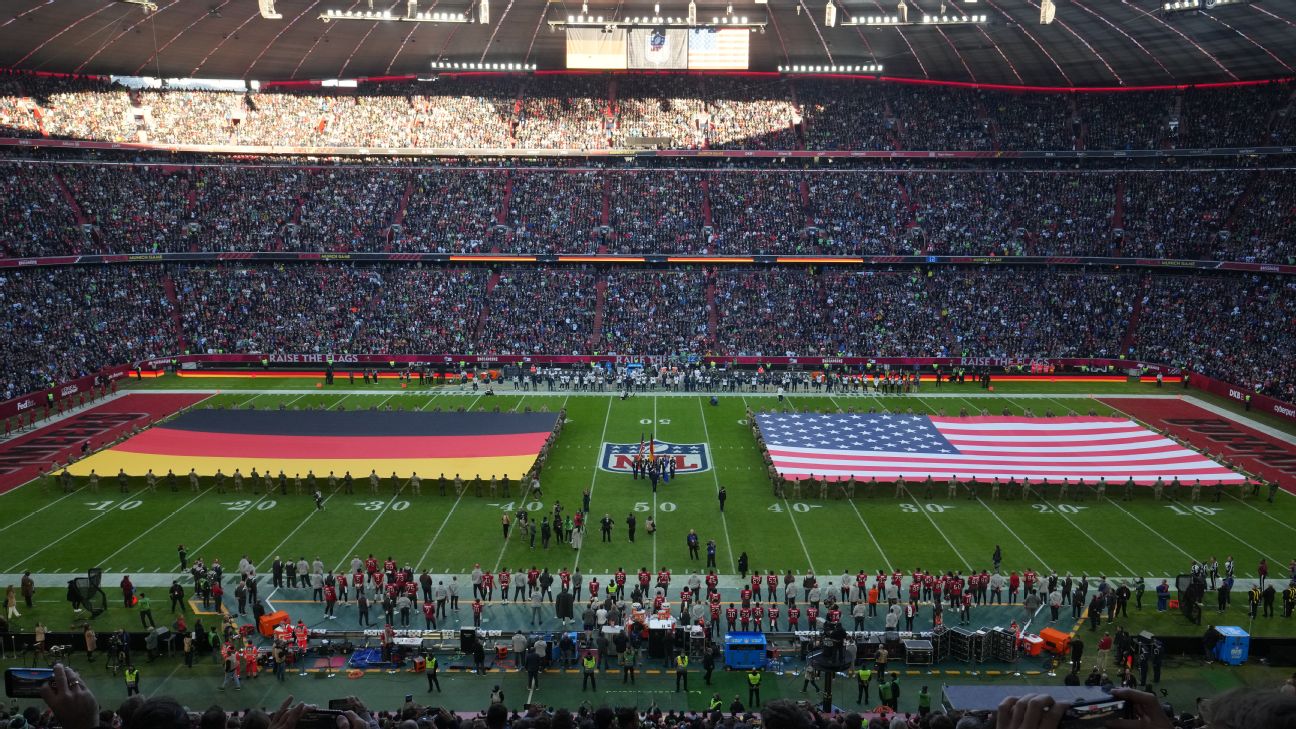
(1234, 645)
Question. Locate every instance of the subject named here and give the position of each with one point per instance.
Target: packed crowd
(589, 112)
(1215, 214)
(453, 211)
(550, 212)
(946, 312)
(656, 211)
(63, 323)
(655, 311)
(534, 310)
(698, 111)
(34, 218)
(1244, 334)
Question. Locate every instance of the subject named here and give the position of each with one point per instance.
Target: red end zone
(1256, 452)
(24, 457)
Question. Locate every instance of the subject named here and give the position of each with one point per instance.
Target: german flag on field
(469, 444)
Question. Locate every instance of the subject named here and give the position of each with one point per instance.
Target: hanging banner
(658, 48)
(596, 48)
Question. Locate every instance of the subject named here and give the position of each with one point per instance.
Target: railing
(505, 257)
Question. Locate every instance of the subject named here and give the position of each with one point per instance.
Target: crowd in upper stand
(61, 322)
(1246, 214)
(595, 112)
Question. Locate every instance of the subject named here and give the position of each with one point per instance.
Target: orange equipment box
(270, 621)
(1055, 641)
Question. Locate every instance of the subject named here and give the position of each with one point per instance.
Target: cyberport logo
(688, 457)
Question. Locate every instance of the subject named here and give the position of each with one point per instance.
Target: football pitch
(48, 531)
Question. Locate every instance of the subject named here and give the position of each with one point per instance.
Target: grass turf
(48, 532)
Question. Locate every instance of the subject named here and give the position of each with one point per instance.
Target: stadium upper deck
(600, 112)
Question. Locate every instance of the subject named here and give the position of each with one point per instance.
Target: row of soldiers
(974, 488)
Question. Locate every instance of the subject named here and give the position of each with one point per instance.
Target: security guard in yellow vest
(716, 704)
(588, 663)
(132, 680)
(863, 676)
(754, 677)
(681, 672)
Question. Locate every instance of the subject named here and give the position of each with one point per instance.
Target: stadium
(614, 365)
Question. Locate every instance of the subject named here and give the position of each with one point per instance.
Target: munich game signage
(688, 457)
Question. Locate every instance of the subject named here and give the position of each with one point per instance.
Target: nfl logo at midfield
(688, 457)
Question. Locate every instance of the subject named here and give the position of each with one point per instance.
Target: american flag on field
(867, 445)
(722, 48)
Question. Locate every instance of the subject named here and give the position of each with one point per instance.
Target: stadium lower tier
(66, 322)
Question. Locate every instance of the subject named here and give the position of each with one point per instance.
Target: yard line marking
(1231, 496)
(419, 564)
(1257, 550)
(198, 550)
(797, 529)
(429, 401)
(938, 529)
(869, 531)
(1090, 537)
(372, 524)
(1064, 406)
(706, 432)
(160, 684)
(518, 406)
(339, 402)
(1014, 534)
(56, 541)
(593, 479)
(157, 523)
(296, 529)
(43, 508)
(1145, 526)
(653, 435)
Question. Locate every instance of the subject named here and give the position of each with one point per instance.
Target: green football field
(46, 531)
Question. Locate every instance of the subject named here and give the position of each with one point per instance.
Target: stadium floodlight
(1178, 6)
(471, 66)
(835, 68)
(656, 21)
(412, 15)
(925, 20)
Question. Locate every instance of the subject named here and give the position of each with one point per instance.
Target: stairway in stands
(168, 286)
(491, 283)
(600, 299)
(706, 209)
(77, 213)
(605, 216)
(399, 218)
(1130, 339)
(713, 313)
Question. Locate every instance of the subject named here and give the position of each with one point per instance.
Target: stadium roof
(1091, 43)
